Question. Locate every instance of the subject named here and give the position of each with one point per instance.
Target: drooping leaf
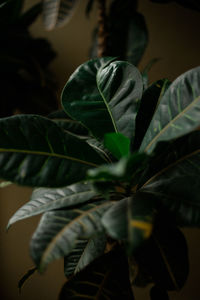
(177, 112)
(58, 12)
(45, 199)
(83, 254)
(150, 99)
(165, 256)
(106, 278)
(172, 177)
(59, 230)
(35, 151)
(28, 274)
(117, 144)
(108, 92)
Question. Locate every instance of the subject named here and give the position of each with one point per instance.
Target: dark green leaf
(148, 104)
(128, 32)
(45, 199)
(100, 148)
(173, 178)
(58, 12)
(177, 112)
(58, 231)
(104, 91)
(25, 277)
(105, 278)
(141, 214)
(115, 220)
(64, 121)
(117, 144)
(165, 256)
(83, 254)
(10, 11)
(35, 151)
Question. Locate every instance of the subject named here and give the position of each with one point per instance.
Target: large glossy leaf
(105, 278)
(35, 151)
(150, 99)
(58, 12)
(178, 111)
(164, 257)
(45, 199)
(84, 253)
(59, 231)
(104, 91)
(173, 178)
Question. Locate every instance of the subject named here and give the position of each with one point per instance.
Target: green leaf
(148, 104)
(117, 144)
(105, 278)
(141, 214)
(165, 256)
(58, 12)
(126, 169)
(28, 274)
(108, 92)
(128, 31)
(59, 230)
(115, 220)
(35, 151)
(100, 148)
(10, 11)
(83, 254)
(45, 199)
(177, 112)
(5, 184)
(173, 178)
(64, 121)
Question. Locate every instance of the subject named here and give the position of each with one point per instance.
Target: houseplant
(127, 189)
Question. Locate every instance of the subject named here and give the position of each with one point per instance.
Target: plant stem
(102, 28)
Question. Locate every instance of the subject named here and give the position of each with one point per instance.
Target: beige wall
(174, 37)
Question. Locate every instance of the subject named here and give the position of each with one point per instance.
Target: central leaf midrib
(107, 106)
(2, 150)
(169, 124)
